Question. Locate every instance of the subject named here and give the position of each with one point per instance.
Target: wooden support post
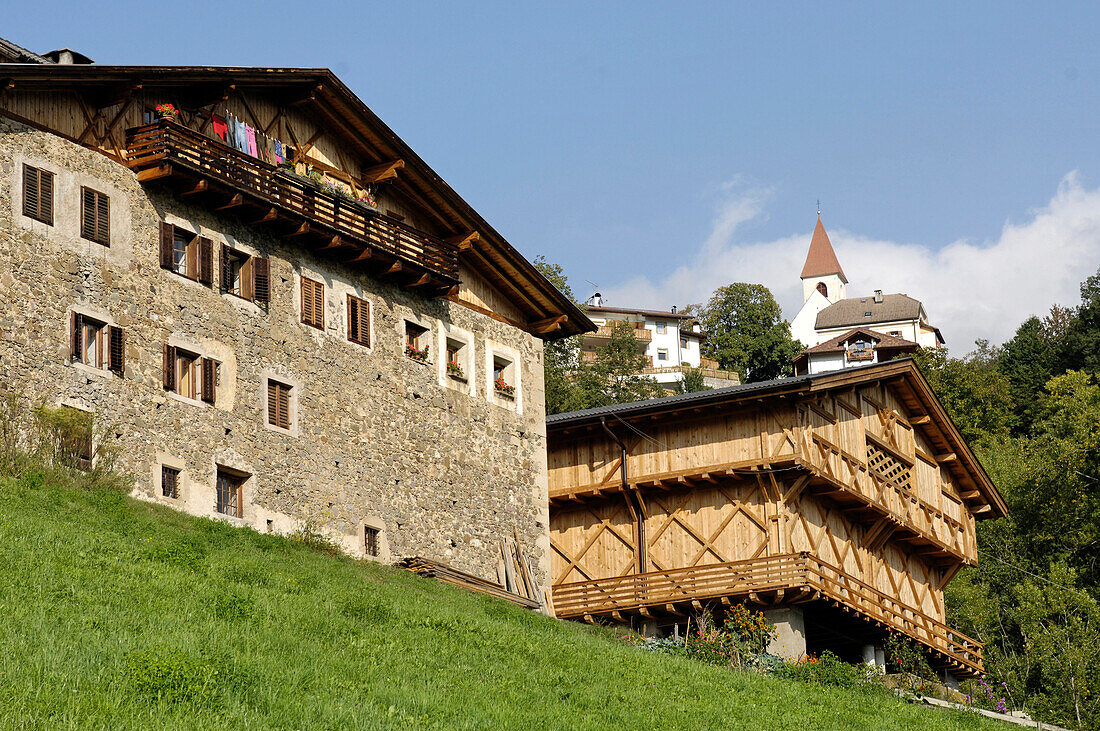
(233, 202)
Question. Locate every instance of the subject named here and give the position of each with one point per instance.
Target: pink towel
(251, 132)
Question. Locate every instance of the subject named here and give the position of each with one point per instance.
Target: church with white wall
(831, 325)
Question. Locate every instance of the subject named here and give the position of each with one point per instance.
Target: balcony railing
(738, 579)
(165, 148)
(604, 332)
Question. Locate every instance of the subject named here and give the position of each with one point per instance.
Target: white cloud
(969, 290)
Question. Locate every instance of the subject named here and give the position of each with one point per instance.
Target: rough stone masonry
(439, 467)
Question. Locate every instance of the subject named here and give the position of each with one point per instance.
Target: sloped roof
(881, 341)
(852, 312)
(903, 372)
(12, 53)
(593, 310)
(821, 259)
(341, 112)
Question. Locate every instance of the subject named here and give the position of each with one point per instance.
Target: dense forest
(1030, 408)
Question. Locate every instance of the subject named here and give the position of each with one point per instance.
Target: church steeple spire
(821, 273)
(821, 260)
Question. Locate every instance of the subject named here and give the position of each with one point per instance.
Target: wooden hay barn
(842, 503)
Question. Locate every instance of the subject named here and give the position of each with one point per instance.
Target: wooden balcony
(603, 334)
(785, 579)
(290, 206)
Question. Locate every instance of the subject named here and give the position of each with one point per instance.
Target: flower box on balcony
(420, 355)
(504, 389)
(454, 370)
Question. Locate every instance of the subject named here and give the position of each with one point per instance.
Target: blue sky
(628, 140)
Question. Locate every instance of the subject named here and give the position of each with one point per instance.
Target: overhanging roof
(901, 371)
(337, 107)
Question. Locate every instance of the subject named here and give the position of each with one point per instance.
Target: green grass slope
(119, 614)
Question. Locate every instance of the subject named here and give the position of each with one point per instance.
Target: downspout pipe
(632, 501)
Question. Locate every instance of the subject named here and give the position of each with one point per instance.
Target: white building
(664, 337)
(858, 346)
(828, 314)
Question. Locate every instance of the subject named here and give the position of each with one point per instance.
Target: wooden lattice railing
(738, 579)
(893, 496)
(167, 143)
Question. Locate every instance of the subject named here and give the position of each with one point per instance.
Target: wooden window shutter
(95, 214)
(209, 380)
(76, 330)
(31, 192)
(307, 301)
(261, 279)
(206, 261)
(319, 304)
(226, 270)
(103, 214)
(167, 236)
(272, 402)
(169, 368)
(284, 406)
(353, 319)
(116, 350)
(358, 321)
(38, 194)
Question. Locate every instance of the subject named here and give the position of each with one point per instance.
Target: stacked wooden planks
(514, 573)
(438, 570)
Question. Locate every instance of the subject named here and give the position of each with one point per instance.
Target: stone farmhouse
(275, 310)
(839, 503)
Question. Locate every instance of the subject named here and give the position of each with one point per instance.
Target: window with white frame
(504, 376)
(662, 354)
(457, 359)
(660, 328)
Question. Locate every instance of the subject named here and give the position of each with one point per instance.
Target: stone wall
(444, 468)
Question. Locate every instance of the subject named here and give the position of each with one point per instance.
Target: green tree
(612, 378)
(976, 394)
(1029, 360)
(746, 332)
(561, 358)
(692, 381)
(615, 376)
(1081, 349)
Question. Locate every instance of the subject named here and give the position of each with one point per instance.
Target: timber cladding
(377, 439)
(858, 471)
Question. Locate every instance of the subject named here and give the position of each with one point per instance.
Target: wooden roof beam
(384, 171)
(465, 241)
(550, 324)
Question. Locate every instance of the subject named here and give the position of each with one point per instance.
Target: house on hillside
(858, 346)
(828, 313)
(668, 340)
(839, 503)
(275, 310)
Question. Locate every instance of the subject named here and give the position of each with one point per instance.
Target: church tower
(822, 272)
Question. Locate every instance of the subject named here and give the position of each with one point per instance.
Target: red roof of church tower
(821, 259)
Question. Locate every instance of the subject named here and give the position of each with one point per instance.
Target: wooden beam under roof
(464, 241)
(385, 171)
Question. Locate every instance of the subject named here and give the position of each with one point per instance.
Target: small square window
(186, 253)
(660, 328)
(867, 314)
(416, 345)
(370, 540)
(456, 359)
(169, 482)
(230, 486)
(504, 379)
(662, 354)
(95, 216)
(684, 343)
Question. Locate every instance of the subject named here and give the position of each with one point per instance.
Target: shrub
(743, 634)
(828, 669)
(984, 694)
(176, 676)
(309, 535)
(907, 657)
